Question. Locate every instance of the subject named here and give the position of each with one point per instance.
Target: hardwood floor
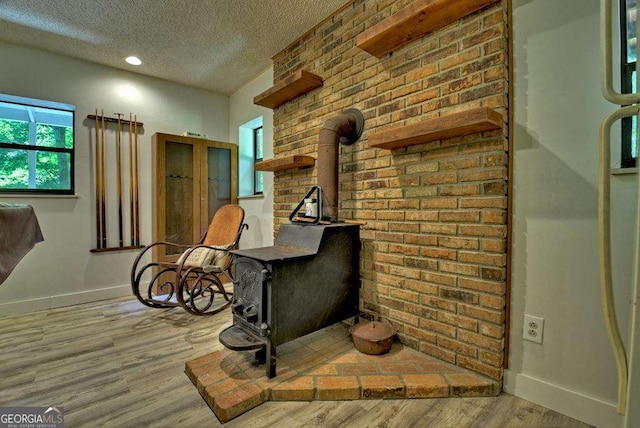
(119, 364)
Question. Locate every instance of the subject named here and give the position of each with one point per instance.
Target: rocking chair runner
(196, 274)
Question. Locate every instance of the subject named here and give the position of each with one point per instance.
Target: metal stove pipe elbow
(346, 129)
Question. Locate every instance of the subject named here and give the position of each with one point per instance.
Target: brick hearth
(325, 366)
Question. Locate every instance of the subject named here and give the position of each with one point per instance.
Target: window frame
(626, 78)
(35, 148)
(257, 159)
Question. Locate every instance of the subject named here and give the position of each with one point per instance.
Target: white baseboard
(584, 408)
(58, 301)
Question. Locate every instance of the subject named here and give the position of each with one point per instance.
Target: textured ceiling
(217, 45)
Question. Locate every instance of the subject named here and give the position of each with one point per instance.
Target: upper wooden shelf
(413, 22)
(452, 125)
(297, 84)
(287, 162)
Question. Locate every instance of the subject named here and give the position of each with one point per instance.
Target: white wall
(558, 110)
(61, 270)
(259, 210)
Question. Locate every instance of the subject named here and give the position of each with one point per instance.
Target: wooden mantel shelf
(413, 22)
(287, 162)
(297, 84)
(457, 124)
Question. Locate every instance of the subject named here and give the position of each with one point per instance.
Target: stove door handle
(266, 276)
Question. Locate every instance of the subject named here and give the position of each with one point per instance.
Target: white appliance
(628, 363)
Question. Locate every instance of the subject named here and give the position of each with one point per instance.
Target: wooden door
(219, 166)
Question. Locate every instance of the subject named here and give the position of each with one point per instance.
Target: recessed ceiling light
(133, 60)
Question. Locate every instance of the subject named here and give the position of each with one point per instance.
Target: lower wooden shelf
(287, 162)
(457, 124)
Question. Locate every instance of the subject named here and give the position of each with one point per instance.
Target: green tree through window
(36, 149)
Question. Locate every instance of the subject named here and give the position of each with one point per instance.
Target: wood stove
(308, 280)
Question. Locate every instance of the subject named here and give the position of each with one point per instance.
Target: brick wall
(434, 250)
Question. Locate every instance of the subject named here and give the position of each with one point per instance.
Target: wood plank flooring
(117, 363)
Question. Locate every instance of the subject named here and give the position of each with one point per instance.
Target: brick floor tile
(332, 353)
(205, 368)
(408, 354)
(289, 347)
(337, 388)
(399, 368)
(201, 363)
(324, 370)
(358, 369)
(251, 392)
(339, 346)
(255, 372)
(230, 372)
(246, 365)
(437, 367)
(296, 389)
(470, 385)
(223, 403)
(206, 359)
(366, 358)
(387, 386)
(281, 376)
(307, 363)
(229, 360)
(235, 402)
(292, 357)
(321, 344)
(425, 386)
(225, 385)
(312, 337)
(346, 358)
(210, 378)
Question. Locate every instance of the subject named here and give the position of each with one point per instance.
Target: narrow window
(258, 176)
(628, 42)
(250, 151)
(36, 146)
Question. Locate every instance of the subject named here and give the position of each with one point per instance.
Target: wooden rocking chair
(196, 274)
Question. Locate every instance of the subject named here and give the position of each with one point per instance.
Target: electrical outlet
(533, 328)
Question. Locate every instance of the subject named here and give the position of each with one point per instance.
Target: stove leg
(271, 360)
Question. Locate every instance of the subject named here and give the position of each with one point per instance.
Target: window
(36, 146)
(258, 176)
(628, 39)
(251, 150)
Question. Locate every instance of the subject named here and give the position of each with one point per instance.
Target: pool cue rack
(124, 129)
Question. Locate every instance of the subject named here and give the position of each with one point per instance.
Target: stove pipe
(346, 129)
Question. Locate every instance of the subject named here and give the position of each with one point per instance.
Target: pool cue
(97, 183)
(137, 185)
(119, 168)
(103, 186)
(131, 219)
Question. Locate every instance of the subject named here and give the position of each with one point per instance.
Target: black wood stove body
(308, 280)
